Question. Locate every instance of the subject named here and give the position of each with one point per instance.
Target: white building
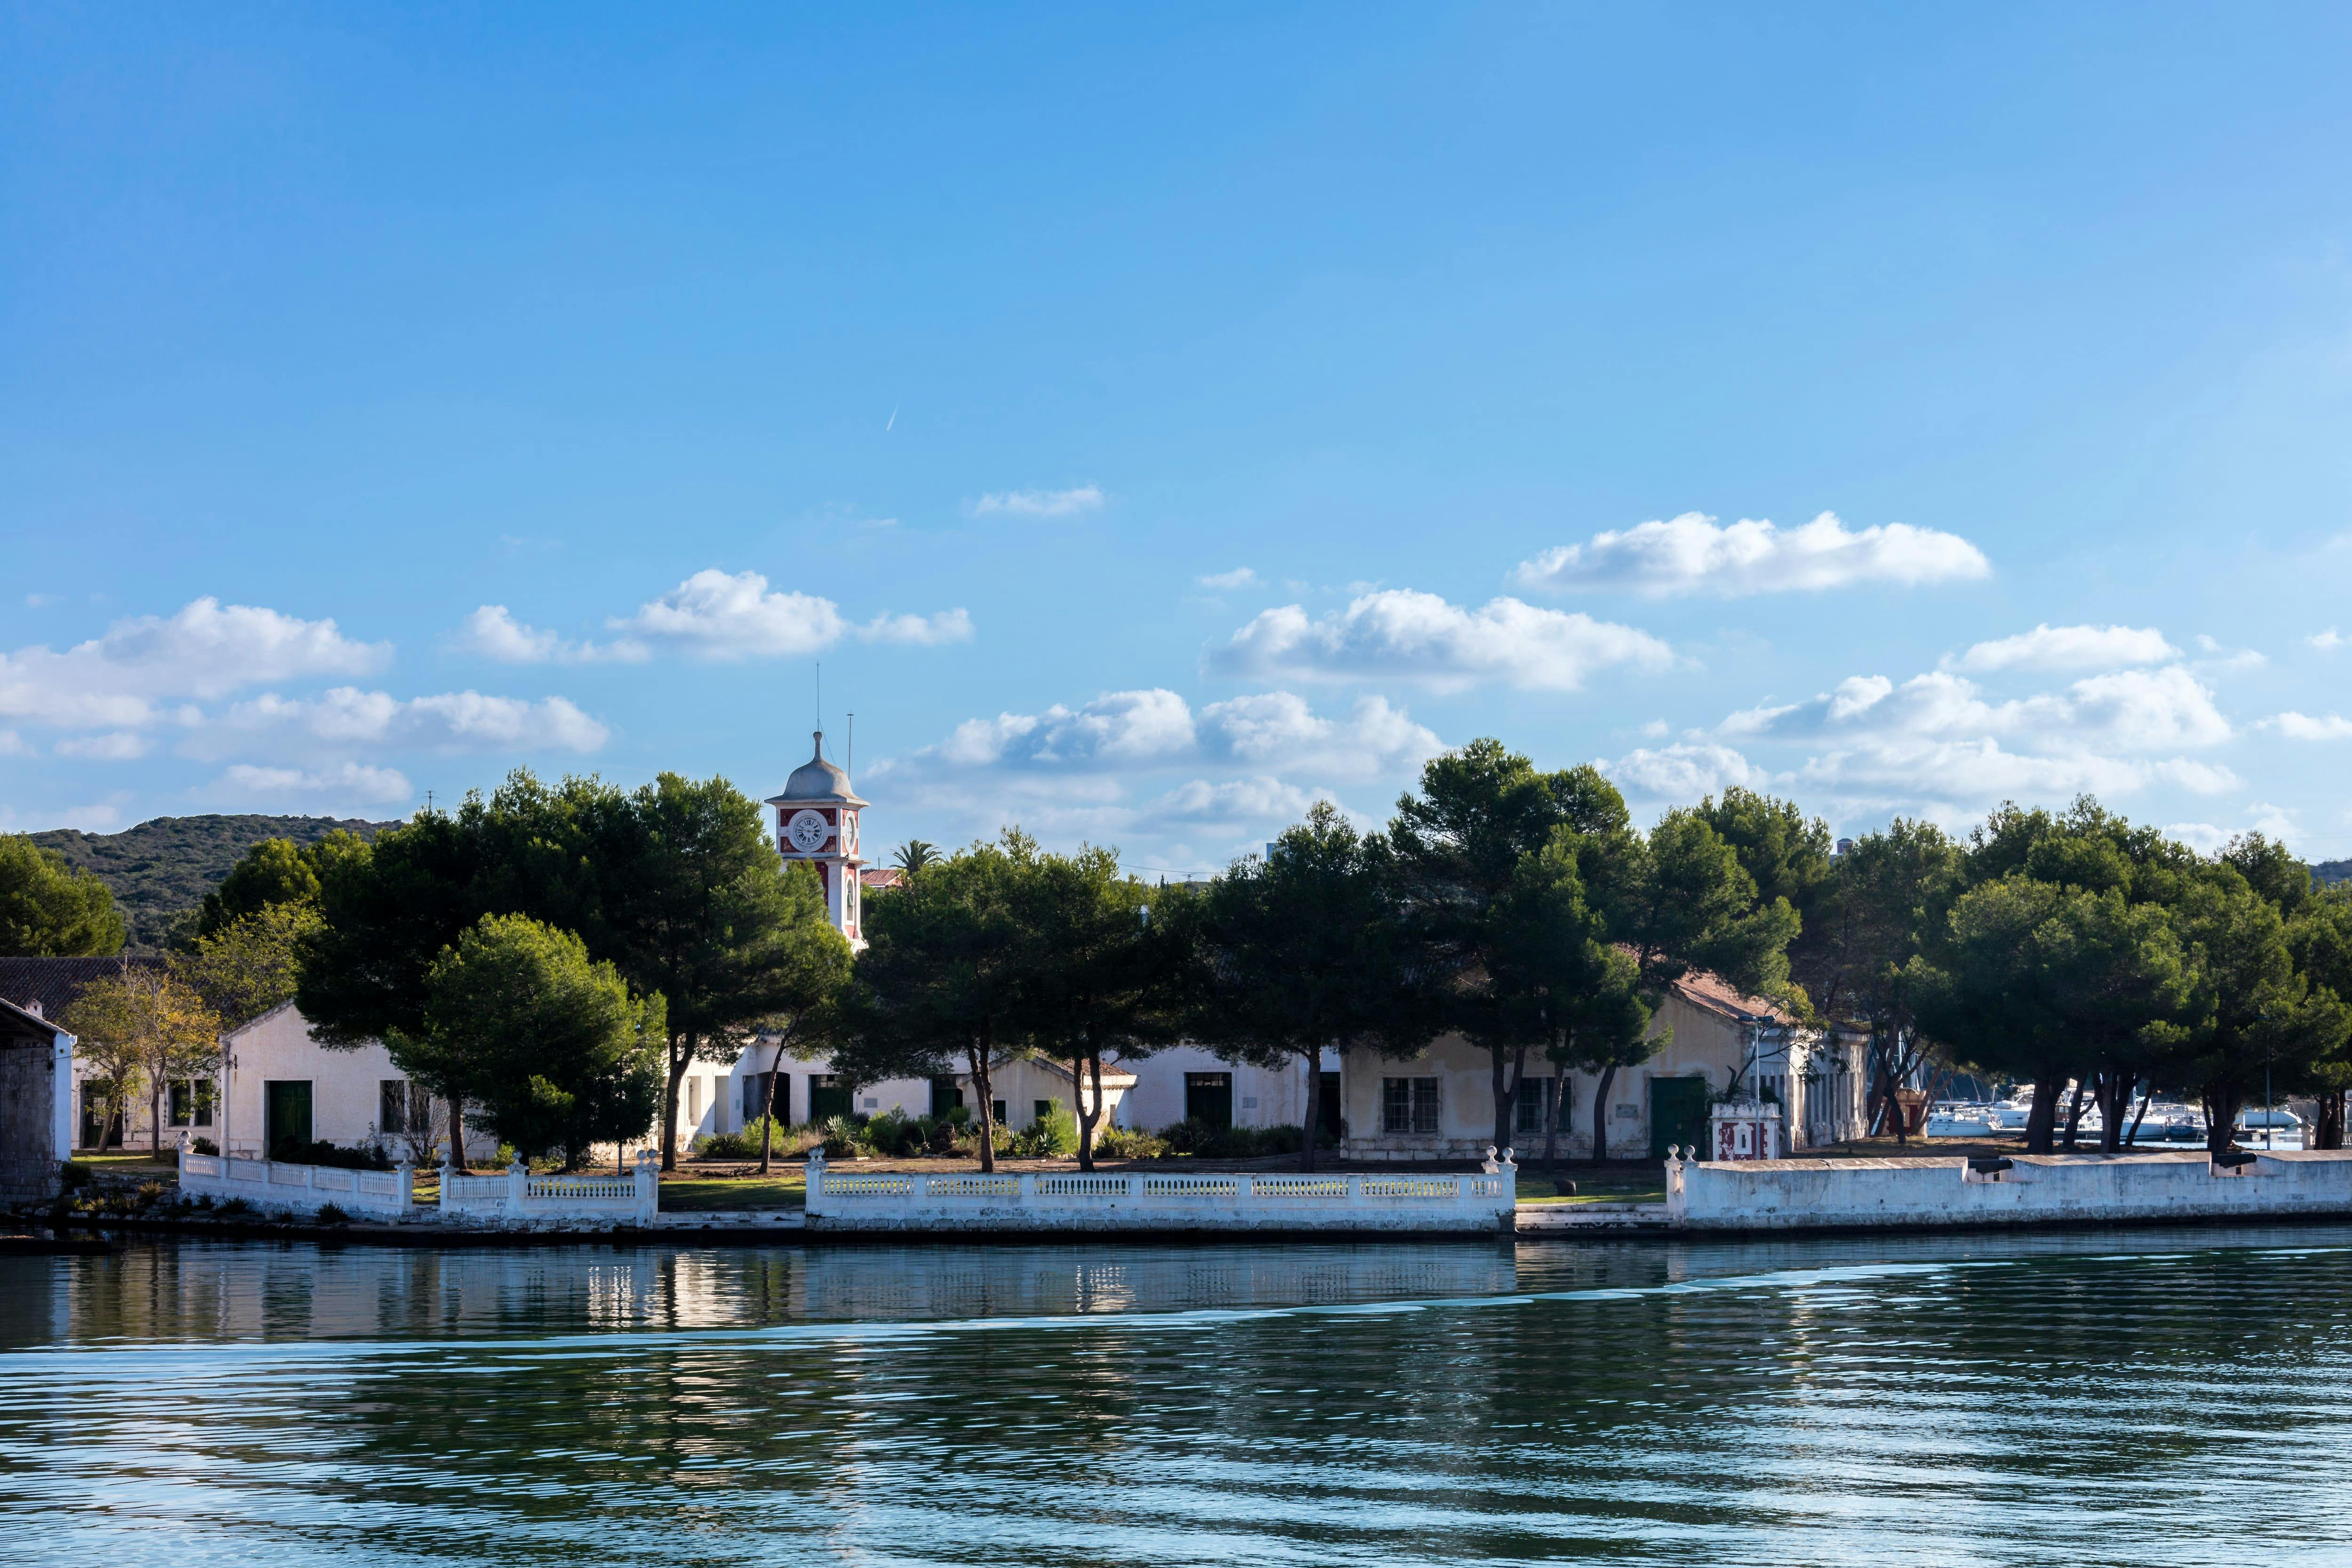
(277, 1082)
(1191, 1082)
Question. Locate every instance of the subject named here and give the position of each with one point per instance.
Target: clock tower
(816, 821)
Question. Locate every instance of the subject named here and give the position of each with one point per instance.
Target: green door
(828, 1096)
(946, 1095)
(1327, 1108)
(1209, 1098)
(1677, 1113)
(284, 1113)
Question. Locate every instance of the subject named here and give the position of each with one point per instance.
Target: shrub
(149, 1195)
(505, 1156)
(1129, 1144)
(322, 1151)
(203, 1146)
(841, 1134)
(75, 1175)
(237, 1206)
(203, 1201)
(1190, 1136)
(333, 1214)
(895, 1134)
(1053, 1133)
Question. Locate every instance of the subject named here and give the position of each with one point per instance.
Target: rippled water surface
(2140, 1397)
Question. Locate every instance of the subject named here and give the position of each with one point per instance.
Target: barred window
(391, 1105)
(1535, 1093)
(1408, 1105)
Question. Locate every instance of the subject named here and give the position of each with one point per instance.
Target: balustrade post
(518, 1187)
(449, 1188)
(1025, 1190)
(404, 1185)
(812, 1203)
(648, 1188)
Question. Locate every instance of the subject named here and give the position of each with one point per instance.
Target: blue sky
(1156, 420)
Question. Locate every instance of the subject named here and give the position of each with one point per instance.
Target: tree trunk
(1555, 1106)
(1890, 1107)
(2145, 1095)
(1600, 1115)
(1078, 1066)
(1314, 1108)
(2074, 1115)
(1506, 1094)
(2042, 1122)
(984, 1091)
(2114, 1098)
(679, 1060)
(768, 1106)
(2330, 1133)
(2223, 1103)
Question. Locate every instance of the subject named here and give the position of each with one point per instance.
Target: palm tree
(914, 854)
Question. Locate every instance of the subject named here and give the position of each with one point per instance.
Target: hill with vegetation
(161, 870)
(2331, 872)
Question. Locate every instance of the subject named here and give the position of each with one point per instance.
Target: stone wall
(28, 1158)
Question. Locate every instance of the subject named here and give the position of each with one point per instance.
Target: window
(1534, 1094)
(755, 1096)
(192, 1102)
(1408, 1105)
(693, 1100)
(996, 1111)
(1040, 1109)
(391, 1105)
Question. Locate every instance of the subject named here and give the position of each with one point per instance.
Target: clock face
(807, 831)
(849, 832)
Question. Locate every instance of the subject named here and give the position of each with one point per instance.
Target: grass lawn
(692, 1194)
(1610, 1184)
(169, 1160)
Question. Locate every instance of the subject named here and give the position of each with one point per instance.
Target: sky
(1153, 420)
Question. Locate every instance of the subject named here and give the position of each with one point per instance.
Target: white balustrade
(914, 1200)
(275, 1187)
(515, 1199)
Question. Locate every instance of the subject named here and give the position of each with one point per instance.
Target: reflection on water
(2140, 1397)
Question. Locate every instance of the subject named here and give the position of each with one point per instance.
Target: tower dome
(817, 780)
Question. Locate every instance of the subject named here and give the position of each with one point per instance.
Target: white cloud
(2141, 710)
(1400, 634)
(712, 615)
(493, 633)
(114, 746)
(12, 744)
(2196, 777)
(1041, 503)
(1682, 774)
(2271, 821)
(347, 717)
(206, 650)
(1693, 554)
(1239, 577)
(1235, 804)
(1276, 729)
(2327, 641)
(2068, 647)
(920, 631)
(2303, 727)
(1893, 772)
(341, 781)
(720, 616)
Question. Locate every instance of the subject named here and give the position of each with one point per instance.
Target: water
(2140, 1397)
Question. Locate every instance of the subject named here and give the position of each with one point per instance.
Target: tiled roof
(54, 983)
(1716, 995)
(17, 1023)
(881, 878)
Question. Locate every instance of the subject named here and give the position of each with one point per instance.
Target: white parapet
(915, 1200)
(2020, 1189)
(514, 1198)
(274, 1187)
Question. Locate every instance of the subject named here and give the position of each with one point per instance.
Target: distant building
(1440, 1104)
(36, 1104)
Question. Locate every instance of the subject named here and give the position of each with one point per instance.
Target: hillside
(164, 867)
(2331, 872)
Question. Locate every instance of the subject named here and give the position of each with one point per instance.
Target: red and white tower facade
(816, 821)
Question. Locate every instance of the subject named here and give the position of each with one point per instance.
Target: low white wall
(915, 1201)
(515, 1199)
(1777, 1194)
(281, 1189)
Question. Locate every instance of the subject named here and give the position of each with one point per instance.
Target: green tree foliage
(146, 1027)
(1303, 951)
(50, 909)
(2257, 1024)
(547, 1042)
(253, 964)
(914, 854)
(161, 869)
(943, 985)
(1102, 975)
(675, 883)
(2320, 937)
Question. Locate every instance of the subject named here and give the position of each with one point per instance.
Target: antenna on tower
(820, 698)
(853, 745)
